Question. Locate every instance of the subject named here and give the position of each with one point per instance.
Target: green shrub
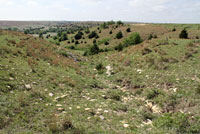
(77, 42)
(94, 41)
(104, 25)
(150, 37)
(92, 35)
(110, 32)
(153, 94)
(120, 22)
(94, 49)
(178, 122)
(103, 41)
(119, 35)
(99, 66)
(63, 37)
(78, 36)
(106, 43)
(55, 37)
(110, 22)
(133, 39)
(119, 47)
(183, 34)
(174, 29)
(40, 35)
(128, 30)
(87, 31)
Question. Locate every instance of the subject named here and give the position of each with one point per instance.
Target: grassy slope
(150, 92)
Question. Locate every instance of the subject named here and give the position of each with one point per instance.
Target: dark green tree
(128, 30)
(94, 49)
(78, 36)
(183, 34)
(119, 35)
(92, 35)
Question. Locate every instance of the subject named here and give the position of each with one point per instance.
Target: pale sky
(160, 11)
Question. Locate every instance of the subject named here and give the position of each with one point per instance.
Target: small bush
(94, 49)
(120, 23)
(63, 37)
(106, 43)
(153, 94)
(110, 32)
(133, 39)
(72, 47)
(128, 30)
(94, 41)
(92, 35)
(87, 31)
(183, 34)
(78, 36)
(99, 66)
(174, 29)
(119, 47)
(77, 42)
(150, 37)
(119, 35)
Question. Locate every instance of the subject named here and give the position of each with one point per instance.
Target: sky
(156, 11)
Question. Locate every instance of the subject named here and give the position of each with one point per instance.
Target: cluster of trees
(107, 24)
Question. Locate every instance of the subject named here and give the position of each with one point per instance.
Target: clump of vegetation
(63, 37)
(93, 34)
(133, 39)
(151, 36)
(94, 49)
(106, 43)
(99, 66)
(119, 47)
(76, 42)
(183, 34)
(78, 36)
(174, 29)
(128, 30)
(87, 31)
(119, 35)
(153, 94)
(120, 23)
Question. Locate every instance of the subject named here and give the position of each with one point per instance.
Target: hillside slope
(152, 87)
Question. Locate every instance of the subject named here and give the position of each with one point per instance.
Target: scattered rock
(87, 109)
(126, 125)
(101, 117)
(50, 94)
(60, 109)
(58, 105)
(109, 70)
(11, 78)
(28, 86)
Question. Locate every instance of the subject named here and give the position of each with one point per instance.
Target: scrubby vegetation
(135, 84)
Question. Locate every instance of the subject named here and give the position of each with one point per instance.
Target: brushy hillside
(152, 87)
